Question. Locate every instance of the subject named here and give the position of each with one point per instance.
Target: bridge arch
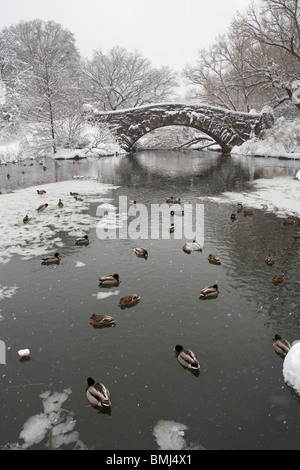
(227, 128)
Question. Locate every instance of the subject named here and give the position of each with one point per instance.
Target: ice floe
(279, 195)
(42, 234)
(169, 435)
(54, 425)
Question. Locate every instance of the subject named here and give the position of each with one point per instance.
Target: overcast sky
(167, 32)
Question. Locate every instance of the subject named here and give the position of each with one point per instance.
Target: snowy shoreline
(282, 141)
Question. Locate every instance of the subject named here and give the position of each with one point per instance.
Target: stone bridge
(227, 128)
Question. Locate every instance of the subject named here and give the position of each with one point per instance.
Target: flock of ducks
(97, 394)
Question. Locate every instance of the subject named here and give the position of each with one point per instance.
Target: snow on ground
(282, 140)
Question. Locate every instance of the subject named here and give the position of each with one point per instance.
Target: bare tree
(275, 26)
(255, 63)
(123, 79)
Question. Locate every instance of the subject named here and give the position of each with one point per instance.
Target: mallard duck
(129, 300)
(172, 228)
(196, 246)
(97, 394)
(296, 234)
(288, 221)
(42, 207)
(269, 260)
(239, 207)
(187, 358)
(248, 212)
(102, 321)
(132, 202)
(209, 292)
(179, 212)
(142, 252)
(233, 216)
(277, 278)
(281, 346)
(176, 201)
(109, 280)
(41, 191)
(51, 259)
(74, 194)
(170, 200)
(78, 198)
(213, 259)
(191, 246)
(187, 248)
(82, 241)
(60, 203)
(26, 219)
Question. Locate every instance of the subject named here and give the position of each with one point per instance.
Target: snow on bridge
(227, 128)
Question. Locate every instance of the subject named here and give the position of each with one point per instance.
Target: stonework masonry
(227, 128)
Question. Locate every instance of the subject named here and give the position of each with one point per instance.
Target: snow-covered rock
(291, 367)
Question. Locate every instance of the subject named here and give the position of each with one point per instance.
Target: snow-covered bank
(280, 141)
(279, 195)
(93, 141)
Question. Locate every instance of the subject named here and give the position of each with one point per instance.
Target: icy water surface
(238, 400)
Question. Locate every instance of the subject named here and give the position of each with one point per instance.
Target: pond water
(239, 399)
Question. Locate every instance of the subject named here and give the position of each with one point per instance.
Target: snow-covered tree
(123, 79)
(39, 61)
(255, 63)
(276, 25)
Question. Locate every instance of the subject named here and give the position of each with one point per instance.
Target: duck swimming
(188, 247)
(288, 222)
(269, 260)
(248, 212)
(187, 358)
(142, 252)
(60, 203)
(78, 198)
(296, 234)
(209, 292)
(239, 207)
(178, 212)
(278, 278)
(129, 300)
(97, 394)
(42, 207)
(51, 259)
(213, 259)
(281, 346)
(82, 241)
(102, 321)
(109, 280)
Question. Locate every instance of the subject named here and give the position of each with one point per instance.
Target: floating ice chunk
(24, 353)
(79, 264)
(169, 435)
(53, 421)
(104, 295)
